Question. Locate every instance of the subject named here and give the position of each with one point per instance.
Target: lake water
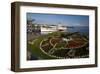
(78, 29)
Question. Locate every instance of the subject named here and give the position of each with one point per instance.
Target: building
(44, 28)
(52, 28)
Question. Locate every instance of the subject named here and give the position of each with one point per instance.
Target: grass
(60, 45)
(35, 48)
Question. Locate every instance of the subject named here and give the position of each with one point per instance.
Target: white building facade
(52, 28)
(45, 28)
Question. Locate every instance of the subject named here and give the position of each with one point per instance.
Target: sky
(64, 19)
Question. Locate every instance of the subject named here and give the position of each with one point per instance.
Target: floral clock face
(62, 45)
(65, 46)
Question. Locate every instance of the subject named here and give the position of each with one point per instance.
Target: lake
(78, 29)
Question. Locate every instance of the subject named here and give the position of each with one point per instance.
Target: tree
(30, 21)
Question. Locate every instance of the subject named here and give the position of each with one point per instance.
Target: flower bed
(59, 47)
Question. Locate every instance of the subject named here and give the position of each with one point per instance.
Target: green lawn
(60, 45)
(35, 48)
